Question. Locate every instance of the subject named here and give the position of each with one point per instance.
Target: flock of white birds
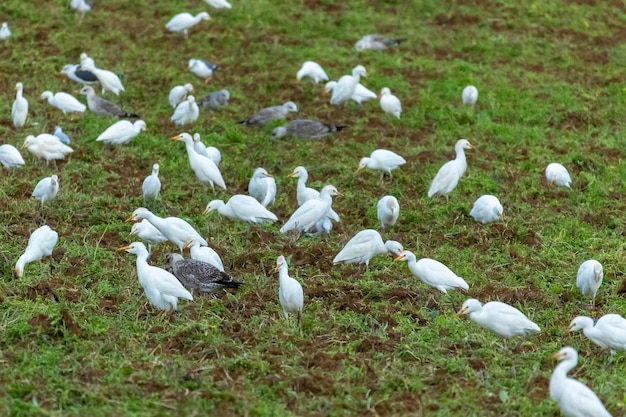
(314, 215)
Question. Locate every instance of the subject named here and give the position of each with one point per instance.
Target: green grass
(77, 335)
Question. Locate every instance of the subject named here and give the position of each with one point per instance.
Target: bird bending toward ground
(360, 94)
(469, 95)
(589, 278)
(204, 254)
(487, 209)
(46, 189)
(148, 233)
(290, 291)
(151, 185)
(210, 152)
(262, 187)
(382, 160)
(312, 70)
(10, 157)
(205, 169)
(109, 81)
(608, 332)
(376, 42)
(312, 211)
(215, 100)
(182, 22)
(390, 103)
(178, 94)
(451, 172)
(46, 146)
(40, 244)
(82, 7)
(19, 110)
(161, 287)
(203, 69)
(103, 107)
(388, 210)
(186, 112)
(270, 113)
(304, 193)
(575, 398)
(219, 4)
(242, 207)
(557, 174)
(122, 132)
(364, 246)
(305, 129)
(198, 275)
(64, 102)
(346, 86)
(5, 32)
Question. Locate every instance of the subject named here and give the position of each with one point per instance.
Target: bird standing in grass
(59, 134)
(205, 169)
(46, 189)
(151, 185)
(198, 275)
(589, 278)
(64, 102)
(82, 7)
(73, 72)
(312, 70)
(109, 81)
(219, 4)
(40, 244)
(346, 86)
(361, 93)
(178, 94)
(608, 332)
(304, 193)
(311, 212)
(390, 103)
(557, 174)
(161, 287)
(46, 146)
(262, 187)
(451, 172)
(376, 42)
(122, 132)
(186, 112)
(10, 157)
(487, 209)
(382, 160)
(148, 233)
(102, 107)
(19, 110)
(469, 95)
(388, 210)
(290, 292)
(364, 246)
(575, 398)
(5, 32)
(182, 22)
(203, 253)
(242, 207)
(215, 100)
(210, 152)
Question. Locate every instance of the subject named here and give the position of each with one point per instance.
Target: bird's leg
(380, 179)
(186, 33)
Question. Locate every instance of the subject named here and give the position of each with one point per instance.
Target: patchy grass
(77, 335)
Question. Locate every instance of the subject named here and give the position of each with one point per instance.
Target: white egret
(346, 86)
(608, 332)
(148, 233)
(242, 207)
(19, 110)
(46, 146)
(186, 112)
(388, 210)
(487, 209)
(557, 174)
(469, 95)
(219, 4)
(312, 70)
(290, 291)
(262, 187)
(451, 172)
(182, 22)
(304, 193)
(361, 93)
(109, 81)
(205, 169)
(10, 157)
(203, 253)
(390, 103)
(46, 189)
(122, 132)
(5, 32)
(64, 102)
(177, 230)
(210, 152)
(40, 244)
(364, 246)
(178, 94)
(312, 211)
(382, 160)
(589, 278)
(151, 185)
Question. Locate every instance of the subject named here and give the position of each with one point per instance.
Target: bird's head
(138, 214)
(363, 163)
(280, 261)
(213, 205)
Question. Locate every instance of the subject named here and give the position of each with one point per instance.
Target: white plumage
(242, 207)
(162, 288)
(360, 94)
(382, 160)
(304, 193)
(432, 272)
(183, 21)
(122, 132)
(451, 172)
(589, 278)
(262, 187)
(204, 254)
(469, 95)
(205, 169)
(178, 94)
(390, 103)
(186, 112)
(148, 233)
(311, 212)
(203, 69)
(5, 32)
(364, 246)
(64, 102)
(290, 291)
(487, 209)
(608, 332)
(388, 210)
(19, 110)
(109, 81)
(557, 174)
(210, 152)
(151, 185)
(219, 4)
(575, 398)
(46, 189)
(10, 157)
(502, 319)
(46, 146)
(40, 244)
(345, 87)
(312, 70)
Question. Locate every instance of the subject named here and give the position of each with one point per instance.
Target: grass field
(77, 335)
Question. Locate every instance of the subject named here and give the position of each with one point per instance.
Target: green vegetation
(77, 335)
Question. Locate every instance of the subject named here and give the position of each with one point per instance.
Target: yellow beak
(461, 311)
(125, 247)
(130, 219)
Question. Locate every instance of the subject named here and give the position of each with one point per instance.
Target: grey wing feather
(104, 107)
(264, 115)
(311, 129)
(85, 75)
(202, 276)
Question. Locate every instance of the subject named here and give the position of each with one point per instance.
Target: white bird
(19, 111)
(148, 233)
(242, 207)
(161, 287)
(361, 93)
(82, 7)
(204, 254)
(388, 210)
(313, 70)
(10, 157)
(182, 22)
(589, 278)
(151, 185)
(575, 398)
(5, 32)
(178, 94)
(557, 174)
(84, 77)
(312, 211)
(219, 4)
(40, 244)
(433, 273)
(345, 87)
(487, 209)
(175, 229)
(470, 95)
(502, 319)
(86, 60)
(376, 42)
(451, 172)
(364, 246)
(390, 103)
(262, 187)
(304, 193)
(205, 169)
(46, 146)
(122, 132)
(210, 152)
(186, 112)
(382, 160)
(290, 291)
(203, 69)
(109, 81)
(608, 332)
(59, 134)
(64, 102)
(46, 189)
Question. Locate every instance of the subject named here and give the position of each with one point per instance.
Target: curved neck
(283, 273)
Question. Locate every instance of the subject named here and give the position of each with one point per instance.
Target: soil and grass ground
(77, 335)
